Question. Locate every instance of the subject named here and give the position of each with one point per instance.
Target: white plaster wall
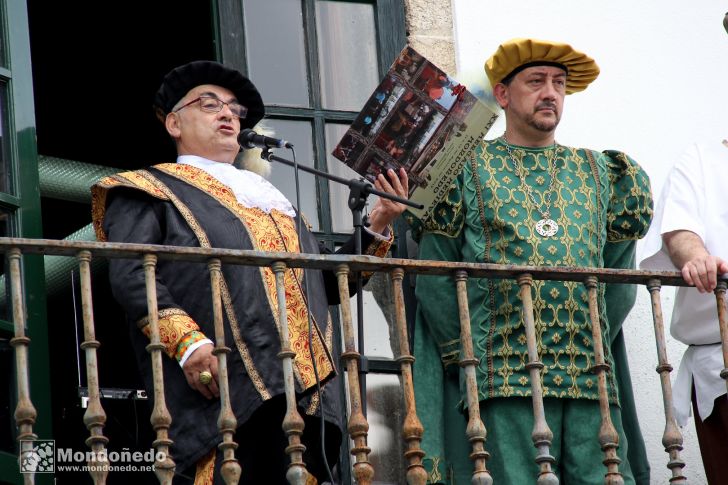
(664, 85)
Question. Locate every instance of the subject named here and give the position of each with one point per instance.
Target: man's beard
(545, 126)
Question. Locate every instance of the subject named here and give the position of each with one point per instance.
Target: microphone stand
(359, 190)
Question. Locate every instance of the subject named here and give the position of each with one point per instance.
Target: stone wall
(430, 31)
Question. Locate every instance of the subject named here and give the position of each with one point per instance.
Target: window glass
(341, 218)
(5, 302)
(347, 53)
(276, 51)
(3, 40)
(282, 176)
(4, 140)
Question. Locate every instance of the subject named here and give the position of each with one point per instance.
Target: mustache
(545, 105)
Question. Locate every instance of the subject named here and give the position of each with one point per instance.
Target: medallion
(547, 227)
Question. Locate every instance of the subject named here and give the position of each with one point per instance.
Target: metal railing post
(608, 437)
(25, 413)
(412, 429)
(358, 426)
(475, 429)
(293, 424)
(160, 419)
(542, 436)
(94, 418)
(720, 295)
(672, 439)
(230, 469)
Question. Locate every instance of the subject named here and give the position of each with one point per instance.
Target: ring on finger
(205, 377)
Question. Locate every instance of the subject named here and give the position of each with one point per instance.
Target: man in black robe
(204, 201)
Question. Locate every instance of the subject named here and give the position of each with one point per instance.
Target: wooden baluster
(672, 439)
(230, 469)
(475, 429)
(358, 426)
(412, 429)
(25, 413)
(608, 438)
(292, 423)
(541, 435)
(720, 292)
(95, 417)
(160, 419)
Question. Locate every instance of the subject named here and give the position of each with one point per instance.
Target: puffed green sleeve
(629, 213)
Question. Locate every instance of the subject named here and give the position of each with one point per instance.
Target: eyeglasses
(212, 104)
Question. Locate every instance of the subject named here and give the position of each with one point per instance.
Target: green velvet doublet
(601, 202)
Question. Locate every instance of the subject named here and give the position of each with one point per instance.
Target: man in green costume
(525, 199)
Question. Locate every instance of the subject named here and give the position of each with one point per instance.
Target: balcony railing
(412, 430)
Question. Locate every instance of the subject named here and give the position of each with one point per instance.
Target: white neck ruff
(250, 189)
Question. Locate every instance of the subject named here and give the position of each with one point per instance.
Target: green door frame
(24, 203)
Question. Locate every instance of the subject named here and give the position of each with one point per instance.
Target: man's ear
(500, 91)
(171, 123)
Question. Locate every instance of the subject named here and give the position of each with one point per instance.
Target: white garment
(250, 189)
(694, 199)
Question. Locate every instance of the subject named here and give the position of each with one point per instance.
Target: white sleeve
(681, 207)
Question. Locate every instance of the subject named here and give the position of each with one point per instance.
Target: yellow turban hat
(518, 54)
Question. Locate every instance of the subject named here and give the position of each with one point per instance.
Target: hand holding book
(418, 120)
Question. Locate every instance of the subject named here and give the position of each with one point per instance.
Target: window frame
(231, 49)
(23, 201)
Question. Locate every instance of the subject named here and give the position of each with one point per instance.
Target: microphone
(250, 139)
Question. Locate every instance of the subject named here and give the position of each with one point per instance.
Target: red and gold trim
(205, 471)
(270, 232)
(379, 247)
(174, 325)
(100, 190)
(191, 175)
(277, 232)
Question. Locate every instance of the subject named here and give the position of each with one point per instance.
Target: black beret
(178, 82)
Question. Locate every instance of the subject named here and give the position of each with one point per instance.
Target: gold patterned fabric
(205, 469)
(274, 232)
(599, 201)
(174, 324)
(488, 218)
(181, 205)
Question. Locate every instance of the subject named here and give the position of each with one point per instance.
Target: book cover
(421, 119)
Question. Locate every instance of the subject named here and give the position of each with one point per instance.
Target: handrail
(331, 261)
(342, 266)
